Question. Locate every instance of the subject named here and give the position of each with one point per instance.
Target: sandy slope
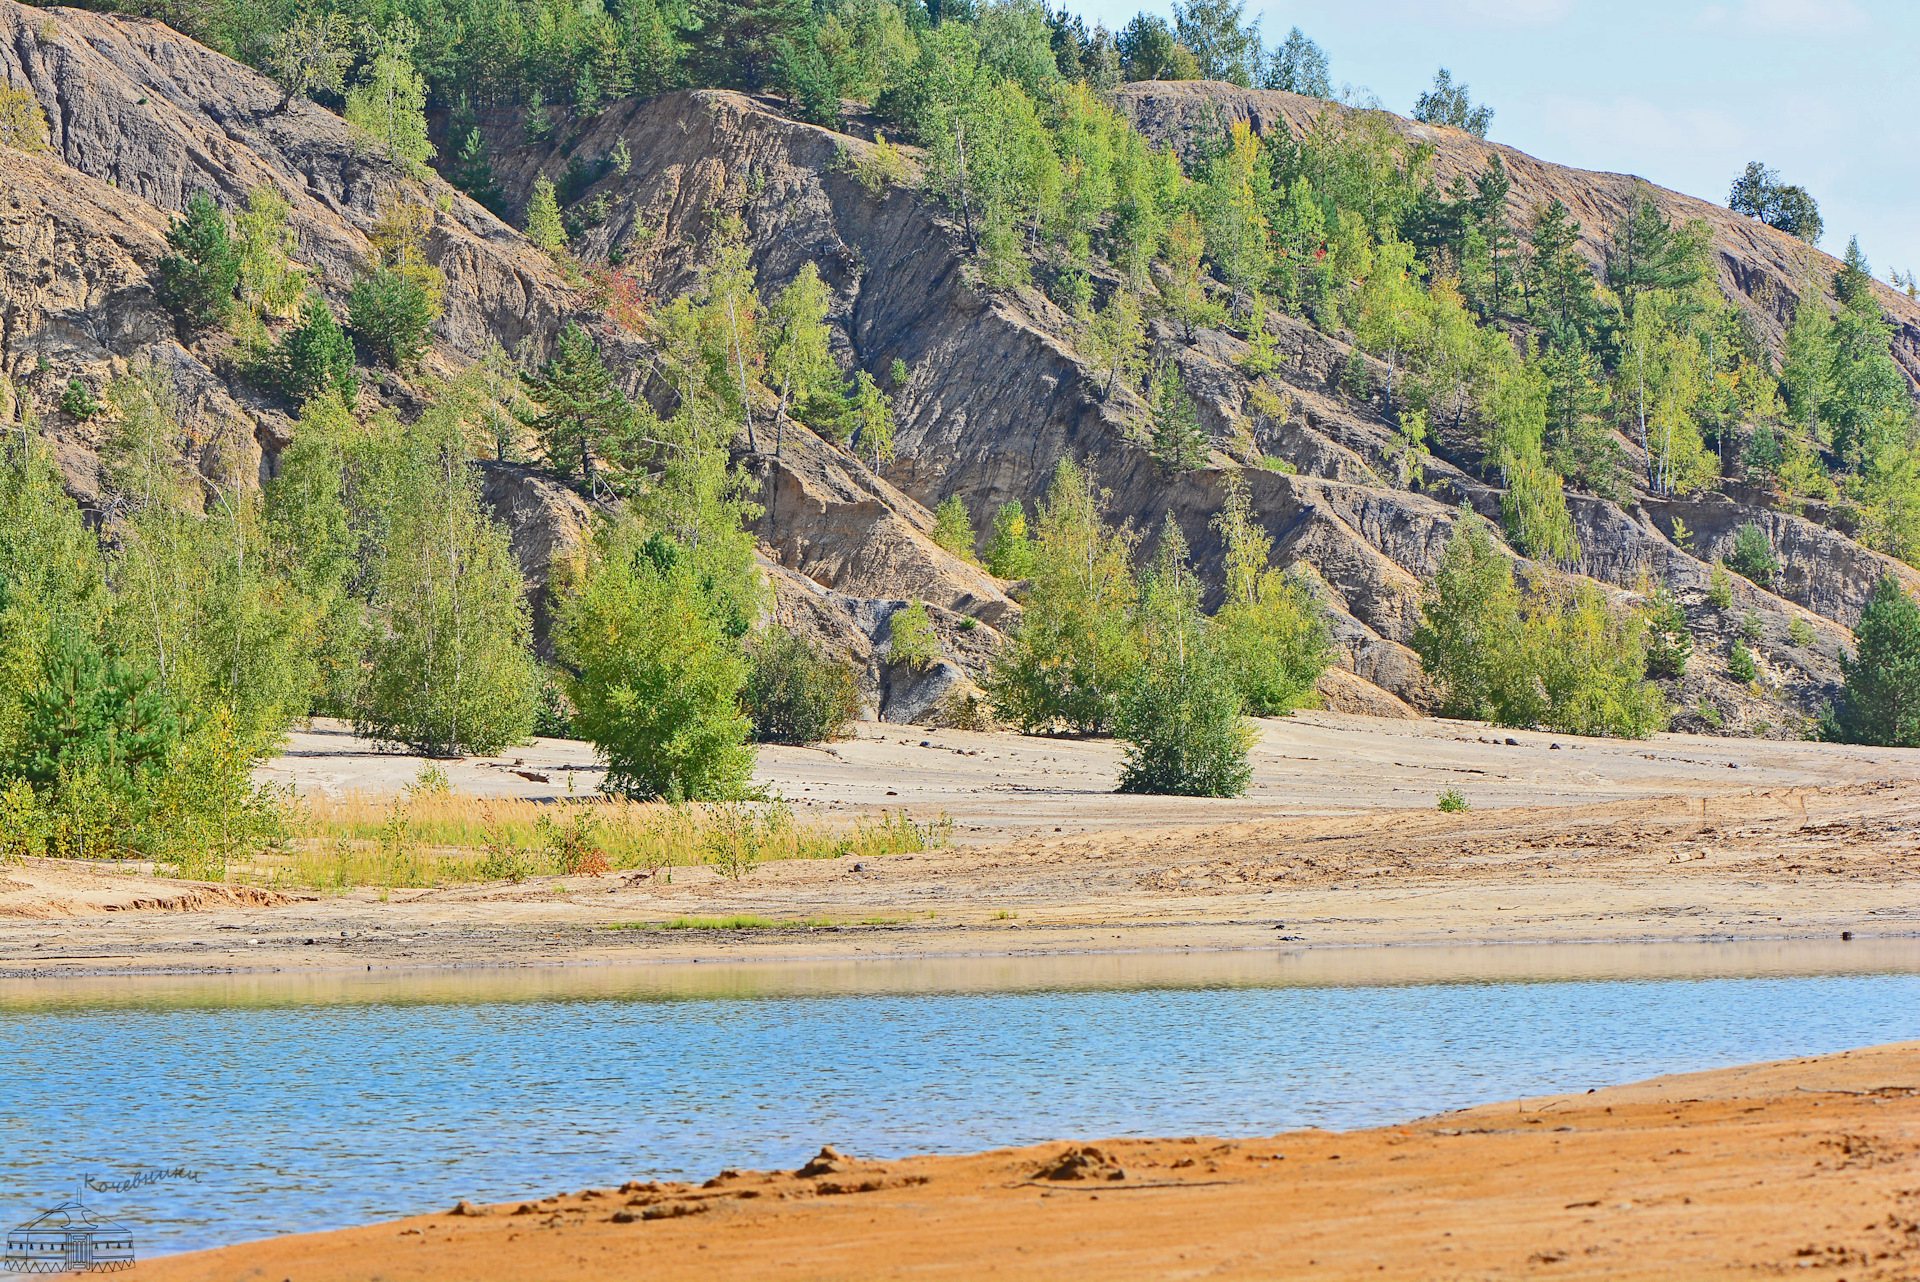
(1759, 1171)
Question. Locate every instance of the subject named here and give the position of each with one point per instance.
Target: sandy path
(1758, 1171)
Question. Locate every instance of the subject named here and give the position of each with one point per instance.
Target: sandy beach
(1766, 1170)
(1671, 839)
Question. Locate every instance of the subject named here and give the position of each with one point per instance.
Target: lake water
(312, 1101)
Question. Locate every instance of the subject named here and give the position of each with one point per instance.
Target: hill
(999, 388)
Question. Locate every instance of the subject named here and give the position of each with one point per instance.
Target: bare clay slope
(998, 394)
(141, 119)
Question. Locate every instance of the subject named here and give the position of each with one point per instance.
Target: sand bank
(1758, 1171)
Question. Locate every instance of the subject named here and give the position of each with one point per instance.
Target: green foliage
(198, 275)
(1271, 632)
(1800, 632)
(1759, 193)
(1009, 550)
(1560, 658)
(450, 670)
(23, 125)
(1179, 442)
(953, 528)
(78, 401)
(911, 636)
(1720, 587)
(1880, 702)
(386, 109)
(270, 283)
(1453, 802)
(92, 711)
(657, 669)
(315, 358)
(1449, 104)
(1669, 641)
(1740, 664)
(797, 694)
(552, 710)
(544, 227)
(1074, 652)
(473, 161)
(392, 313)
(1299, 66)
(584, 416)
(1470, 622)
(1752, 555)
(311, 53)
(1180, 716)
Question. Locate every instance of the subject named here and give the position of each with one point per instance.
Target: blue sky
(1682, 92)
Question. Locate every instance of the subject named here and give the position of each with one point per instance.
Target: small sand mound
(1081, 1162)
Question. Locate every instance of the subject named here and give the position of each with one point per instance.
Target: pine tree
(544, 228)
(1880, 703)
(314, 358)
(473, 163)
(738, 42)
(198, 278)
(1853, 283)
(584, 414)
(1178, 440)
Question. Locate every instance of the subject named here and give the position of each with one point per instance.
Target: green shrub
(1179, 442)
(1880, 702)
(795, 694)
(78, 401)
(953, 528)
(912, 637)
(1750, 626)
(657, 672)
(1181, 715)
(1009, 551)
(1752, 555)
(552, 710)
(1740, 664)
(1720, 587)
(1453, 802)
(197, 279)
(1669, 643)
(1272, 630)
(1075, 649)
(392, 313)
(1800, 632)
(313, 358)
(1560, 659)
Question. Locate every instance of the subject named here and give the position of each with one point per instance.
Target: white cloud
(1785, 17)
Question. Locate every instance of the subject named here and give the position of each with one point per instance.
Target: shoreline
(1767, 1167)
(739, 958)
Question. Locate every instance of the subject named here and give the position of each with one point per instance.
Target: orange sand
(1762, 1171)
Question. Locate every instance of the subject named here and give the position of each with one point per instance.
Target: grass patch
(430, 837)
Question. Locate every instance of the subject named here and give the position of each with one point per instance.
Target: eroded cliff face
(996, 395)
